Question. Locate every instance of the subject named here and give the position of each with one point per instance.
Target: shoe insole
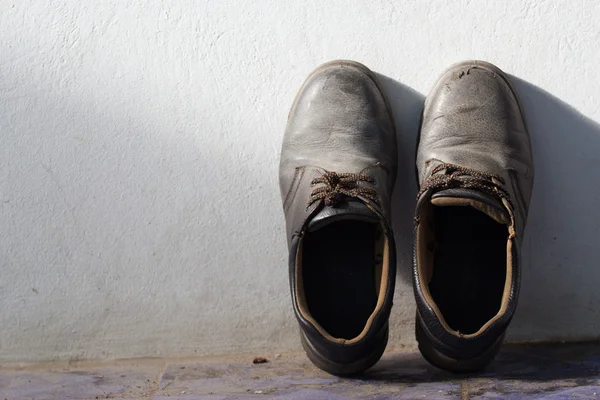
(339, 275)
(469, 268)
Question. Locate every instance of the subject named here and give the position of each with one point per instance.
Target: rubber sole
(346, 369)
(439, 360)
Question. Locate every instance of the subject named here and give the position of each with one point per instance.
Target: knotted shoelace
(466, 178)
(337, 186)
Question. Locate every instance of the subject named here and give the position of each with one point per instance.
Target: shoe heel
(345, 369)
(439, 360)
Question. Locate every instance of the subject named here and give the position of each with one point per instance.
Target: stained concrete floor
(549, 371)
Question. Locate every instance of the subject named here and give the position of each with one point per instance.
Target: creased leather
(472, 118)
(339, 122)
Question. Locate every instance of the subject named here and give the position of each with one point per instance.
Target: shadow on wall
(407, 105)
(559, 297)
(559, 294)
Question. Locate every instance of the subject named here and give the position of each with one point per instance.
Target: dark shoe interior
(469, 268)
(339, 274)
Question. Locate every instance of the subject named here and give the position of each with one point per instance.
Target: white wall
(139, 142)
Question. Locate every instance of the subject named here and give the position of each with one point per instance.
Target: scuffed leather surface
(339, 122)
(472, 118)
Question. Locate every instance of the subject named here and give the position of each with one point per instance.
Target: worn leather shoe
(337, 171)
(475, 172)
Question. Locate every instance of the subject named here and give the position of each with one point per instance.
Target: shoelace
(461, 177)
(337, 186)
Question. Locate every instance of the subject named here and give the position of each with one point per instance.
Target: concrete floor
(557, 371)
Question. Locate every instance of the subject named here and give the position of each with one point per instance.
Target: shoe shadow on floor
(529, 363)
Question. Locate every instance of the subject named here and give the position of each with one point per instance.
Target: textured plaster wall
(139, 142)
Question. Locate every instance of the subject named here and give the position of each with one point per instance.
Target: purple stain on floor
(126, 381)
(568, 371)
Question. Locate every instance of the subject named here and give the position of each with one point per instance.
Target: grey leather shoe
(475, 172)
(337, 171)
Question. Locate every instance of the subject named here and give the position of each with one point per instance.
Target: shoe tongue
(352, 210)
(481, 201)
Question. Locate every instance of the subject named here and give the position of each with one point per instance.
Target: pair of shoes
(337, 172)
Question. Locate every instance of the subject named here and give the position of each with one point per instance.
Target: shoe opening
(341, 277)
(465, 266)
